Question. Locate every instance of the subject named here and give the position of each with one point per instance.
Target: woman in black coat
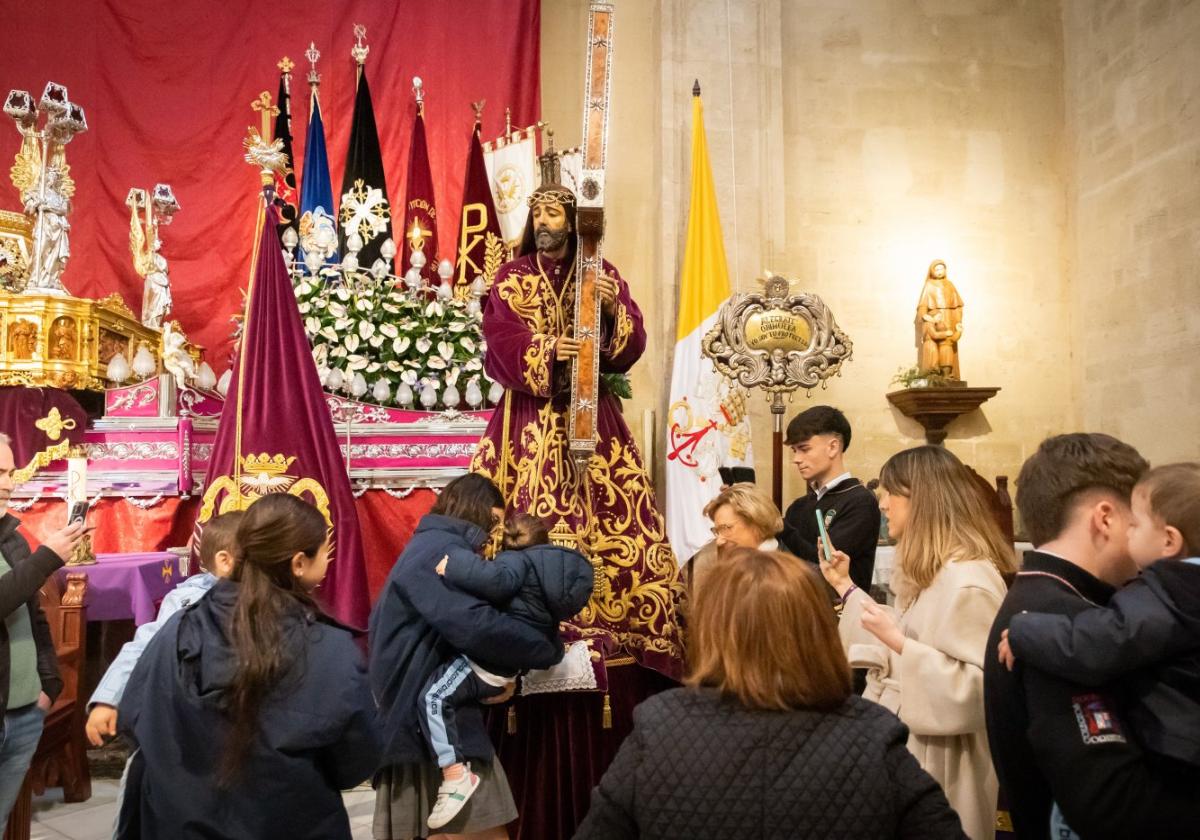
(768, 741)
(251, 709)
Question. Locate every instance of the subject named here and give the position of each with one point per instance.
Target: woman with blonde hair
(925, 658)
(743, 515)
(767, 740)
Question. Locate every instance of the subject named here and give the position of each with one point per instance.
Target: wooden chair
(61, 756)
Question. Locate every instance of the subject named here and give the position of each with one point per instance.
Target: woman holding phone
(924, 659)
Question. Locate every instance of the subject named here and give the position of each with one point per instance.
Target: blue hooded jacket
(316, 734)
(541, 585)
(422, 621)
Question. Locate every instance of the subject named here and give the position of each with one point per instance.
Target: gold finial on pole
(478, 108)
(263, 105)
(261, 151)
(507, 121)
(359, 51)
(285, 66)
(312, 54)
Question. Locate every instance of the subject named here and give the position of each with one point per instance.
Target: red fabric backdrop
(167, 88)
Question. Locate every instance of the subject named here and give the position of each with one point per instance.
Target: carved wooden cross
(585, 368)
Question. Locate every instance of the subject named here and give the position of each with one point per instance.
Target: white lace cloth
(574, 673)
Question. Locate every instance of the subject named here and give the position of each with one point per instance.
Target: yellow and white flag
(706, 424)
(512, 171)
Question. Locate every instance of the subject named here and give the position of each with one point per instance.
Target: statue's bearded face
(939, 271)
(550, 226)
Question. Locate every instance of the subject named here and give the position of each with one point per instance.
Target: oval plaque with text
(777, 329)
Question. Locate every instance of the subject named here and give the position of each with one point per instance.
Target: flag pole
(268, 156)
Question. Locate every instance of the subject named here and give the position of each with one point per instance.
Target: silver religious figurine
(146, 214)
(41, 175)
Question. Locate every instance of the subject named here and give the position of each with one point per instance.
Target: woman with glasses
(743, 516)
(419, 623)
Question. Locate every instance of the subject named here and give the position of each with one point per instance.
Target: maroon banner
(420, 207)
(167, 90)
(481, 248)
(276, 433)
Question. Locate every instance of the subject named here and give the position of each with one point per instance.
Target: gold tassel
(511, 727)
(606, 716)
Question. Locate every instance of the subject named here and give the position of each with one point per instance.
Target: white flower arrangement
(374, 331)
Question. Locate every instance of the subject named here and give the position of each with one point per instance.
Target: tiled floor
(93, 820)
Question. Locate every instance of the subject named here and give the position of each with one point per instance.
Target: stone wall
(1133, 128)
(855, 141)
(880, 137)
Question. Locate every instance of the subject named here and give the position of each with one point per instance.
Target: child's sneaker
(452, 795)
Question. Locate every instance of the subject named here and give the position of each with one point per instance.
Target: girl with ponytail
(251, 709)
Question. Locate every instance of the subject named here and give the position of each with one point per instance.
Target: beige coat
(936, 685)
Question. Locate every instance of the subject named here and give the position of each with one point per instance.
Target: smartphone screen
(824, 536)
(78, 512)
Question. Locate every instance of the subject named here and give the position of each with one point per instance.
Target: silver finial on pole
(359, 51)
(313, 54)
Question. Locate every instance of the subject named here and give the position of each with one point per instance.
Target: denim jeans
(22, 729)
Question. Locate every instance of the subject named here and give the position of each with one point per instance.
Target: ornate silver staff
(777, 342)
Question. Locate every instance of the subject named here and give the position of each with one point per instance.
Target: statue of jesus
(608, 507)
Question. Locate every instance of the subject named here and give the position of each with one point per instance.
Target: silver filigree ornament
(777, 341)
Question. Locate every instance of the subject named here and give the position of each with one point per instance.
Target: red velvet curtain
(167, 89)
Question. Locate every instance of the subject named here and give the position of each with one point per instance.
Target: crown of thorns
(553, 195)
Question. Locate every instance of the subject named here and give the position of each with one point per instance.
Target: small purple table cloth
(128, 585)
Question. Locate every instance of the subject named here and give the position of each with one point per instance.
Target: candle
(77, 476)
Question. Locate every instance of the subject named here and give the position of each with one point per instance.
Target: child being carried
(531, 580)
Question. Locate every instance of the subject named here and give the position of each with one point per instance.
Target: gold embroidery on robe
(634, 604)
(539, 363)
(622, 330)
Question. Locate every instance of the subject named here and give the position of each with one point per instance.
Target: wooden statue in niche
(63, 342)
(22, 339)
(939, 322)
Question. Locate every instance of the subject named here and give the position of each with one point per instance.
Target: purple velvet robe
(611, 511)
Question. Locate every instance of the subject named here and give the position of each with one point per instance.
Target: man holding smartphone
(819, 438)
(29, 679)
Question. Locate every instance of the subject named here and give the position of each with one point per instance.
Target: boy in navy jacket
(531, 580)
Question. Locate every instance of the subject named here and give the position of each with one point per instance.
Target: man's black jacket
(19, 590)
(1054, 740)
(1150, 635)
(852, 519)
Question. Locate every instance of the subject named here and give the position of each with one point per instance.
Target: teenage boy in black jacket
(819, 437)
(1054, 740)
